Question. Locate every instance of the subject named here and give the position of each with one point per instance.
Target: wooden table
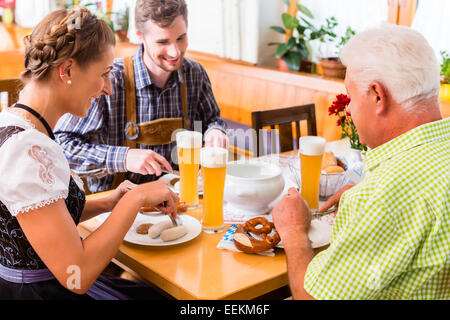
(198, 270)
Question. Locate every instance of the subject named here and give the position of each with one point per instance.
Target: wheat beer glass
(214, 166)
(312, 149)
(189, 144)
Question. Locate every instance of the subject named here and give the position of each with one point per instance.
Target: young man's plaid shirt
(94, 145)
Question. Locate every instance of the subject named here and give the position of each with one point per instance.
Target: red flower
(338, 108)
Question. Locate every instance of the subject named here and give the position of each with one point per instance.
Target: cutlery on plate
(316, 214)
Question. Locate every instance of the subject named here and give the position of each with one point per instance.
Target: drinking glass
(214, 165)
(311, 153)
(189, 144)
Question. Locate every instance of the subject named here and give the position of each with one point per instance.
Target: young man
(391, 236)
(132, 130)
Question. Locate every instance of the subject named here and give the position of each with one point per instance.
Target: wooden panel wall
(240, 88)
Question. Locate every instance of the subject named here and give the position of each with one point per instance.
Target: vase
(355, 155)
(305, 66)
(445, 93)
(8, 17)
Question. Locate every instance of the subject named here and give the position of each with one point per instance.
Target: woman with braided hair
(68, 58)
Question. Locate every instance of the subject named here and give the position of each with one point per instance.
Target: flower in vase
(339, 109)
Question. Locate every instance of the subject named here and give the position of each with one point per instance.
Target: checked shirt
(391, 236)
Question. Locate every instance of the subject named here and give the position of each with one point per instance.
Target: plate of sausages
(158, 230)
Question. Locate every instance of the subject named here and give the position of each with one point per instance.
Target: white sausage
(173, 233)
(156, 229)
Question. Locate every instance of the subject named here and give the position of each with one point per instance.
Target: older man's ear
(379, 96)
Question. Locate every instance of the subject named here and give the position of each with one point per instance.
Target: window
(432, 20)
(357, 14)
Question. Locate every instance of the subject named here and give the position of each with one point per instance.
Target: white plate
(176, 186)
(193, 226)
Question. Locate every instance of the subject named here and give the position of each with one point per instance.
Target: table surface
(198, 270)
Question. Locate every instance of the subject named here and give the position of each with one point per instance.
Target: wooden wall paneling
(11, 63)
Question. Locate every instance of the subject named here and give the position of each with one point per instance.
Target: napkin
(319, 235)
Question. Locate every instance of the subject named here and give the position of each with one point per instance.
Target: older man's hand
(216, 138)
(291, 215)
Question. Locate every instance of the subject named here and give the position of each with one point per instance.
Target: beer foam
(213, 157)
(312, 145)
(189, 139)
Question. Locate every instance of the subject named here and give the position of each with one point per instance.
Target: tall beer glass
(189, 144)
(214, 166)
(312, 149)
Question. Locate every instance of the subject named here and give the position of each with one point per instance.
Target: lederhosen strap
(156, 132)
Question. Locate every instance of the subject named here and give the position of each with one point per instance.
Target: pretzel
(245, 243)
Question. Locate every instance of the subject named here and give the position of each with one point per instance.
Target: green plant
(326, 34)
(445, 68)
(297, 47)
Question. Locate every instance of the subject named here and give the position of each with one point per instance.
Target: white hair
(399, 57)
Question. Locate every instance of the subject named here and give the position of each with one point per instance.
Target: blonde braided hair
(61, 35)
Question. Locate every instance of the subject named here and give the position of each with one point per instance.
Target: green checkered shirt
(391, 236)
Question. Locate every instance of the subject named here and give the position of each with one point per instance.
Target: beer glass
(189, 144)
(311, 152)
(214, 166)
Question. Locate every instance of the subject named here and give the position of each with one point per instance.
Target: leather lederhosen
(155, 132)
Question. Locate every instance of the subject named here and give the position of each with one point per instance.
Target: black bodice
(15, 250)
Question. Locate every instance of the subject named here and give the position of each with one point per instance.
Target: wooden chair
(288, 122)
(12, 87)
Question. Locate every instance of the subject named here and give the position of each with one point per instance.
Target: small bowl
(252, 185)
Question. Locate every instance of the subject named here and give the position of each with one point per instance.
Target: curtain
(432, 19)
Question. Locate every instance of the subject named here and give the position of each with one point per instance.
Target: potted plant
(296, 52)
(445, 77)
(122, 24)
(329, 61)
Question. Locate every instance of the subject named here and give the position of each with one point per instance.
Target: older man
(153, 94)
(391, 236)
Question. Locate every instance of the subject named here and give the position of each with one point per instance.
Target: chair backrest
(286, 119)
(12, 87)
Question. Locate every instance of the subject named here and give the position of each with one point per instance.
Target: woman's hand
(118, 193)
(157, 194)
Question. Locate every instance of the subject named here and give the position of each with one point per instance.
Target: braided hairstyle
(61, 35)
